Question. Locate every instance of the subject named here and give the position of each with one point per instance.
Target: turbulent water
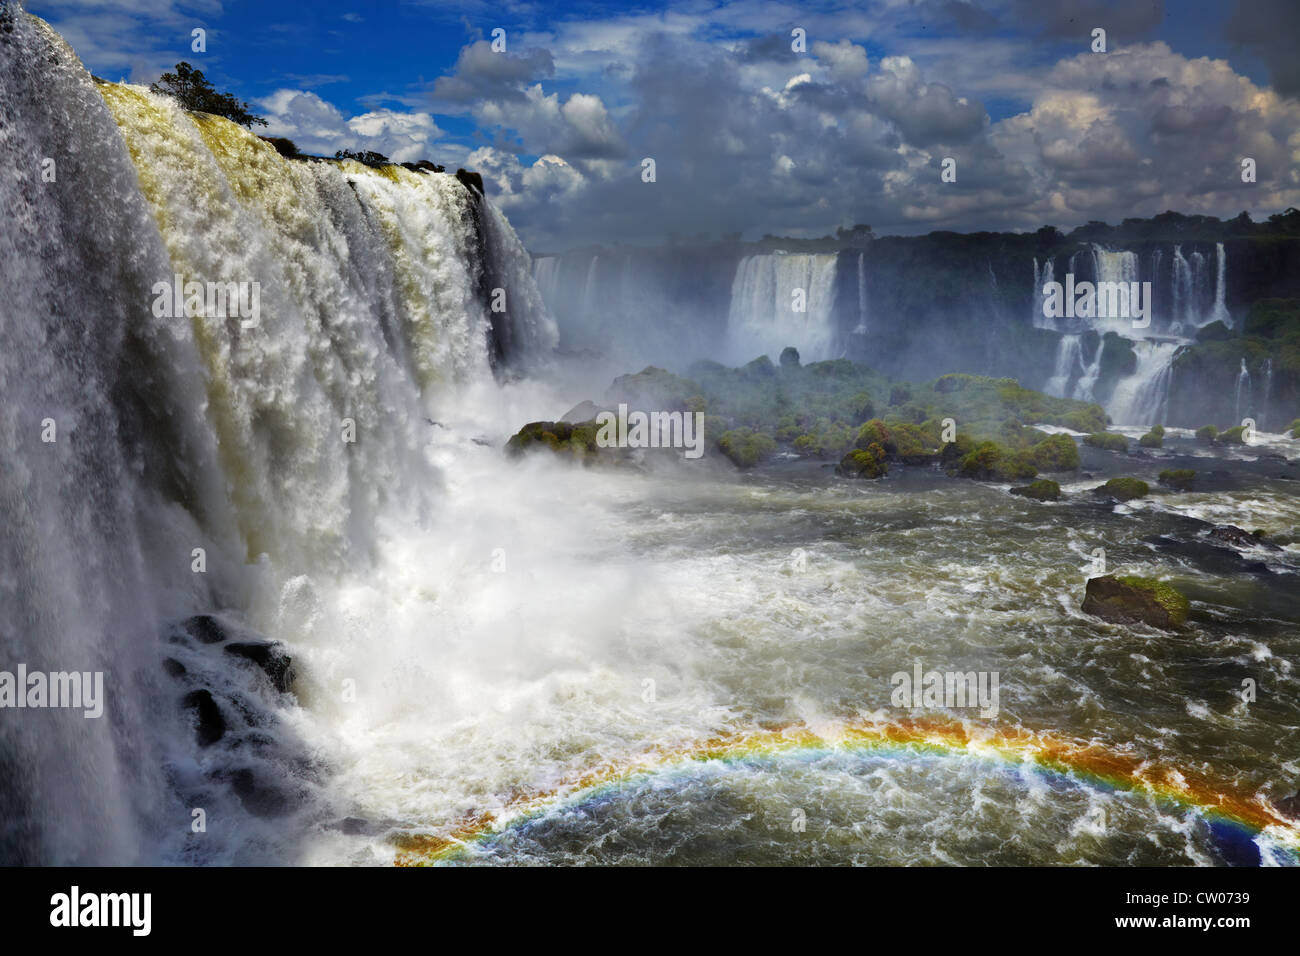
(465, 629)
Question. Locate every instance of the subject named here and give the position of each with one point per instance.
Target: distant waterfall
(861, 328)
(1115, 267)
(1091, 372)
(1041, 278)
(1069, 360)
(1244, 390)
(762, 318)
(1219, 313)
(1142, 398)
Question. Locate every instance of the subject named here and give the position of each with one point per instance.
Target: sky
(755, 128)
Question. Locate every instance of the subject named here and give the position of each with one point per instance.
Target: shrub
(745, 447)
(1206, 433)
(1055, 453)
(1232, 436)
(1109, 441)
(1044, 489)
(1124, 489)
(989, 461)
(1179, 478)
(1153, 439)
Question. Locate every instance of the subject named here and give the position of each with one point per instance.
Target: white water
(1141, 398)
(1243, 389)
(763, 320)
(182, 433)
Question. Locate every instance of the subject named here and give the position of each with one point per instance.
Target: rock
(471, 181)
(1290, 805)
(1123, 489)
(1043, 489)
(863, 463)
(1238, 538)
(258, 799)
(270, 657)
(205, 628)
(1179, 479)
(1136, 599)
(583, 412)
(173, 667)
(211, 726)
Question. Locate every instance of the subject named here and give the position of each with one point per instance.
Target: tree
(194, 92)
(364, 156)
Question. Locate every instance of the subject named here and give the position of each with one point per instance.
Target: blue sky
(748, 134)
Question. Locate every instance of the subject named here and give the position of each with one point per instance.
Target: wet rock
(173, 667)
(270, 657)
(1239, 538)
(1290, 805)
(1123, 489)
(1043, 489)
(211, 726)
(1135, 599)
(206, 628)
(258, 798)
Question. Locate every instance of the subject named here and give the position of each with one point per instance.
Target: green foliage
(654, 389)
(1166, 595)
(1206, 433)
(1232, 436)
(864, 463)
(365, 156)
(1125, 489)
(989, 461)
(1178, 478)
(874, 432)
(1107, 440)
(1044, 489)
(194, 92)
(1154, 438)
(285, 147)
(1295, 428)
(745, 447)
(1055, 453)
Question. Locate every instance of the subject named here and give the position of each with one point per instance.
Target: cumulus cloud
(319, 127)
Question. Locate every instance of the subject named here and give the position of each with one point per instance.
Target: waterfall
(861, 328)
(1069, 359)
(762, 319)
(1041, 279)
(1117, 267)
(1091, 372)
(1243, 389)
(1182, 290)
(1219, 312)
(1142, 398)
(203, 431)
(1268, 389)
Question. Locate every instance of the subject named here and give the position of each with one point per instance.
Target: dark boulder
(206, 628)
(1239, 538)
(1135, 599)
(210, 726)
(270, 657)
(471, 181)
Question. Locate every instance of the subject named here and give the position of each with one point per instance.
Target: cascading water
(1219, 312)
(1069, 360)
(861, 327)
(164, 434)
(1142, 398)
(763, 318)
(1245, 393)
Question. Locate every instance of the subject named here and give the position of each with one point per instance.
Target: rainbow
(1088, 763)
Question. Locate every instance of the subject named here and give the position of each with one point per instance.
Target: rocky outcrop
(1044, 489)
(1123, 489)
(1132, 599)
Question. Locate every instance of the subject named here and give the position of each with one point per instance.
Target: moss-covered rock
(1294, 428)
(1109, 441)
(745, 447)
(653, 389)
(989, 461)
(1044, 489)
(1154, 438)
(1055, 453)
(1124, 489)
(1232, 436)
(870, 462)
(567, 439)
(1178, 478)
(1206, 433)
(1130, 598)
